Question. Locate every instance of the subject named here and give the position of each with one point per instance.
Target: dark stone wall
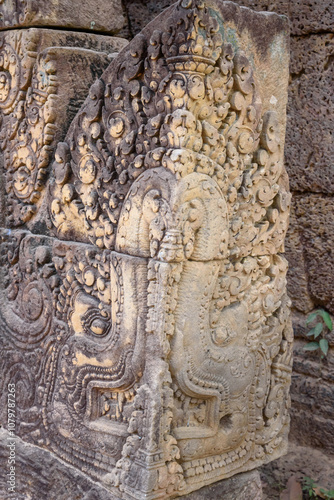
(309, 161)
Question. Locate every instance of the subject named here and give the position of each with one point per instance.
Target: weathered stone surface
(38, 470)
(309, 159)
(83, 14)
(312, 391)
(140, 13)
(246, 486)
(313, 396)
(314, 16)
(312, 420)
(300, 461)
(311, 262)
(41, 475)
(45, 77)
(315, 215)
(297, 273)
(146, 331)
(309, 143)
(305, 17)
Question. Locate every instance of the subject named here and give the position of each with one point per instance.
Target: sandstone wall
(309, 160)
(144, 319)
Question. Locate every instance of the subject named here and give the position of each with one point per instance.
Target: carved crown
(194, 43)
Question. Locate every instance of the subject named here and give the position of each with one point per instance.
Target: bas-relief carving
(27, 95)
(155, 350)
(37, 98)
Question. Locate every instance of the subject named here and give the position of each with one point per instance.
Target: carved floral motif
(28, 88)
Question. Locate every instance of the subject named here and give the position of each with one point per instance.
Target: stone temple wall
(309, 162)
(144, 321)
(51, 66)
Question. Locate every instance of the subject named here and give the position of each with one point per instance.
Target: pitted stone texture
(306, 17)
(312, 392)
(106, 16)
(246, 486)
(46, 75)
(309, 142)
(315, 216)
(297, 273)
(309, 17)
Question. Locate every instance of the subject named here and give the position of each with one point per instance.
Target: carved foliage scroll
(187, 102)
(38, 98)
(28, 88)
(158, 313)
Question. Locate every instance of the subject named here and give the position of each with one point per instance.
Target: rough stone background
(310, 164)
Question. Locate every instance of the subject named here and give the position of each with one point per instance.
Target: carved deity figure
(148, 327)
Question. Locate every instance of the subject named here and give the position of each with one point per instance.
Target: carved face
(103, 356)
(181, 225)
(212, 361)
(215, 324)
(153, 329)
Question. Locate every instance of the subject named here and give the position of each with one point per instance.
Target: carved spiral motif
(21, 375)
(10, 69)
(28, 314)
(25, 173)
(32, 306)
(87, 169)
(117, 126)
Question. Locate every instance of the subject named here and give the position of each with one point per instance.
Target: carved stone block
(311, 17)
(44, 78)
(297, 284)
(148, 332)
(33, 466)
(315, 215)
(310, 149)
(83, 14)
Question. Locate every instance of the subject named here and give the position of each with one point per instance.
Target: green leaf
(318, 329)
(327, 319)
(311, 332)
(312, 346)
(311, 317)
(323, 344)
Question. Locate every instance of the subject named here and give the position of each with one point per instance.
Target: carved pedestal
(144, 316)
